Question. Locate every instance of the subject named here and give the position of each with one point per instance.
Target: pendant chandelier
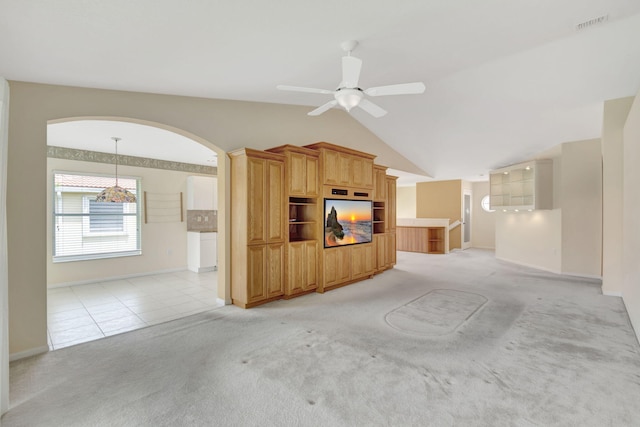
(116, 194)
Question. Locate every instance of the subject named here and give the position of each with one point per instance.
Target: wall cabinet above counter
(522, 187)
(202, 193)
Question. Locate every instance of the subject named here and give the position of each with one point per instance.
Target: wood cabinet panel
(362, 172)
(390, 224)
(302, 261)
(256, 273)
(330, 267)
(345, 169)
(380, 242)
(297, 174)
(275, 201)
(310, 279)
(256, 201)
(296, 268)
(311, 176)
(331, 167)
(275, 266)
(337, 266)
(379, 184)
(391, 249)
(362, 261)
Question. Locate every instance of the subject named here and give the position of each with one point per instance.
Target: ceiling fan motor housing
(349, 97)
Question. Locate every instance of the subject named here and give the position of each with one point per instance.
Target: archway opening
(97, 288)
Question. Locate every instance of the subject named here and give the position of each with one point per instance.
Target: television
(347, 222)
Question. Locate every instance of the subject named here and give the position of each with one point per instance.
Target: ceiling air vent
(592, 22)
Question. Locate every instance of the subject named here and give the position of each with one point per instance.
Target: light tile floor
(82, 313)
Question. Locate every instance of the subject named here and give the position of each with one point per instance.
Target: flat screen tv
(347, 222)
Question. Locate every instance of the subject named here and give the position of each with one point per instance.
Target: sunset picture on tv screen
(347, 222)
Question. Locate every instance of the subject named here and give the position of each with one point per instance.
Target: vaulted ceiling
(504, 79)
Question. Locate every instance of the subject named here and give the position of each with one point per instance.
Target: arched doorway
(91, 296)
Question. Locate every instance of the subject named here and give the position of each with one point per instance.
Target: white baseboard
(108, 279)
(28, 353)
(537, 267)
(612, 294)
(220, 301)
(584, 276)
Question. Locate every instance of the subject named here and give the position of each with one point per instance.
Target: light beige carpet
(519, 347)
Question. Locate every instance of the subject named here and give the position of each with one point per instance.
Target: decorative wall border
(143, 162)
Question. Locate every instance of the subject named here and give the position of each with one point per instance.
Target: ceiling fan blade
(350, 71)
(401, 89)
(304, 89)
(321, 109)
(371, 108)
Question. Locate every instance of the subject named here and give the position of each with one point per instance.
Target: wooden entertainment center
(278, 224)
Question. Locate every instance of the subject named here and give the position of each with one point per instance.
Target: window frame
(486, 206)
(86, 232)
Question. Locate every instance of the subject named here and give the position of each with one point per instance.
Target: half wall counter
(425, 235)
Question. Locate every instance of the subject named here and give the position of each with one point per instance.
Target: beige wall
(441, 199)
(406, 202)
(615, 116)
(483, 224)
(533, 238)
(218, 124)
(164, 245)
(631, 213)
(581, 204)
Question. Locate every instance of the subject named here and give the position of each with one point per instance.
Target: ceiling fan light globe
(349, 98)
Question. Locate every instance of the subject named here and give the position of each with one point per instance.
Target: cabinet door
(357, 261)
(330, 267)
(275, 201)
(311, 175)
(297, 174)
(256, 201)
(369, 259)
(381, 251)
(310, 263)
(362, 261)
(345, 169)
(296, 266)
(390, 224)
(331, 167)
(337, 266)
(380, 185)
(362, 172)
(357, 168)
(344, 264)
(391, 249)
(275, 269)
(256, 273)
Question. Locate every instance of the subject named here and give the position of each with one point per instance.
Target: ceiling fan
(349, 95)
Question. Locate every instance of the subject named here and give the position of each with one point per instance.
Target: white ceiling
(505, 79)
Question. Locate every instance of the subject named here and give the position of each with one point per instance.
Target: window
(84, 229)
(486, 204)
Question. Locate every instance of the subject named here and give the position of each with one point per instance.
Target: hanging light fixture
(116, 194)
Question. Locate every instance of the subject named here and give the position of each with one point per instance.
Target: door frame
(466, 220)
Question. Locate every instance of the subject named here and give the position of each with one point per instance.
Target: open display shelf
(302, 219)
(525, 186)
(435, 238)
(378, 218)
